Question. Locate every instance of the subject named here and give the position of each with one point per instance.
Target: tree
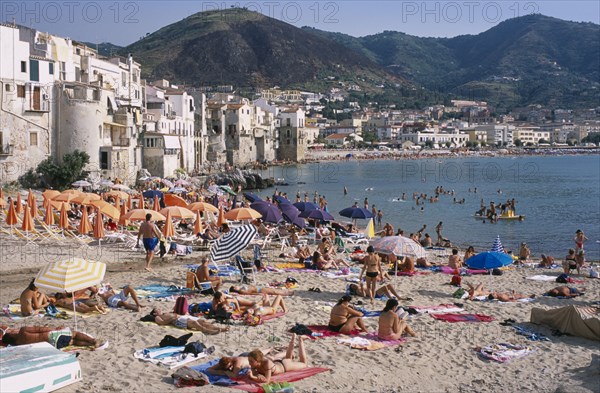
(518, 143)
(542, 140)
(60, 176)
(592, 137)
(529, 144)
(448, 144)
(429, 144)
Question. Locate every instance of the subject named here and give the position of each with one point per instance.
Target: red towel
(463, 317)
(291, 376)
(324, 330)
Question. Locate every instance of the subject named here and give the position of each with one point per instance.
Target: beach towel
(155, 291)
(248, 385)
(530, 334)
(487, 299)
(452, 318)
(369, 314)
(262, 317)
(323, 331)
(370, 342)
(542, 277)
(220, 380)
(503, 352)
(410, 274)
(170, 357)
(289, 265)
(441, 309)
(449, 270)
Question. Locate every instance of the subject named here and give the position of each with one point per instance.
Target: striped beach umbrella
(497, 247)
(231, 243)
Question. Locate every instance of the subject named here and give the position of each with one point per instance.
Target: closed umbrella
(198, 224)
(242, 213)
(231, 243)
(156, 205)
(203, 207)
(129, 203)
(141, 204)
(317, 215)
(98, 226)
(85, 226)
(497, 247)
(27, 224)
(168, 230)
(33, 207)
(11, 217)
(63, 221)
(49, 217)
(140, 215)
(177, 212)
(19, 204)
(70, 275)
(304, 206)
(269, 212)
(30, 198)
(123, 221)
(2, 200)
(221, 220)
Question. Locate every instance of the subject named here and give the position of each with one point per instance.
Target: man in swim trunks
(186, 322)
(565, 291)
(150, 234)
(115, 300)
(59, 337)
(254, 290)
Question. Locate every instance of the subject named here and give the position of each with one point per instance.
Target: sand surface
(440, 359)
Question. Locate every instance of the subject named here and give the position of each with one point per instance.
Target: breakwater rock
(249, 180)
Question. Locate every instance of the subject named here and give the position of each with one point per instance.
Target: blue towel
(369, 314)
(159, 291)
(214, 379)
(530, 334)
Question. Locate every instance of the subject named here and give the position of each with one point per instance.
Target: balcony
(6, 150)
(121, 142)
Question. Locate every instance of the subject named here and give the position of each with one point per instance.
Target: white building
(439, 139)
(497, 134)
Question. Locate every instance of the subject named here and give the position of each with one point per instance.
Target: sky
(124, 22)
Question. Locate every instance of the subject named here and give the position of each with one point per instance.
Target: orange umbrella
(86, 199)
(129, 203)
(98, 225)
(117, 202)
(242, 213)
(221, 220)
(198, 224)
(11, 217)
(107, 209)
(63, 221)
(174, 200)
(114, 194)
(141, 204)
(30, 197)
(203, 207)
(72, 191)
(85, 226)
(177, 212)
(33, 205)
(65, 197)
(19, 204)
(2, 201)
(122, 220)
(27, 220)
(48, 195)
(156, 206)
(140, 215)
(49, 218)
(168, 230)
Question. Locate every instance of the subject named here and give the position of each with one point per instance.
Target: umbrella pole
(74, 311)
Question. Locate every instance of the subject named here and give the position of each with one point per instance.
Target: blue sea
(556, 194)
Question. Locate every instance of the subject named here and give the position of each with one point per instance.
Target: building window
(34, 70)
(23, 66)
(33, 139)
(123, 79)
(51, 68)
(21, 91)
(63, 71)
(288, 122)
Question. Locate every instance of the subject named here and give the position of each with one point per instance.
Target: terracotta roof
(337, 136)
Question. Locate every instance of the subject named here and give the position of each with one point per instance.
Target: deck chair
(192, 282)
(247, 269)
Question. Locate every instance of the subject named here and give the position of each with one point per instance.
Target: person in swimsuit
(81, 305)
(229, 303)
(570, 262)
(344, 319)
(203, 275)
(407, 265)
(32, 299)
(391, 326)
(150, 234)
(254, 290)
(454, 260)
(579, 240)
(547, 261)
(267, 306)
(372, 266)
(113, 299)
(233, 366)
(565, 291)
(386, 290)
(185, 322)
(262, 368)
(59, 337)
(469, 253)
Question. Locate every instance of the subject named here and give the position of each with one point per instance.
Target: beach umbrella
(304, 206)
(198, 224)
(221, 220)
(497, 247)
(177, 212)
(317, 214)
(141, 202)
(349, 155)
(182, 182)
(177, 190)
(81, 183)
(269, 212)
(289, 211)
(356, 213)
(66, 197)
(107, 209)
(122, 219)
(150, 194)
(252, 197)
(140, 215)
(370, 229)
(398, 245)
(11, 217)
(63, 221)
(228, 190)
(174, 200)
(106, 183)
(231, 243)
(215, 201)
(281, 200)
(156, 205)
(85, 226)
(489, 260)
(27, 224)
(48, 195)
(168, 230)
(167, 183)
(2, 200)
(30, 197)
(202, 207)
(70, 275)
(72, 191)
(120, 187)
(116, 194)
(129, 203)
(98, 226)
(242, 213)
(49, 217)
(19, 206)
(33, 207)
(86, 199)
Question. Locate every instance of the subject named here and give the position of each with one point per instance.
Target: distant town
(61, 96)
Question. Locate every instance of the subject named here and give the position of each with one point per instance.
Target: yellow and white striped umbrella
(70, 275)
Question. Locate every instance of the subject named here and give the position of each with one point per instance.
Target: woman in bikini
(372, 265)
(267, 307)
(262, 368)
(579, 240)
(254, 290)
(229, 303)
(344, 319)
(391, 326)
(233, 366)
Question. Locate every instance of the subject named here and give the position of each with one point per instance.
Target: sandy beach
(440, 359)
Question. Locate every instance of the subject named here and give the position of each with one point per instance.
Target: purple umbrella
(270, 212)
(317, 215)
(290, 213)
(356, 212)
(281, 200)
(304, 206)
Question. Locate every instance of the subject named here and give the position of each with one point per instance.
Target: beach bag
(252, 320)
(459, 293)
(181, 306)
(170, 341)
(278, 387)
(194, 348)
(563, 278)
(186, 376)
(301, 330)
(497, 272)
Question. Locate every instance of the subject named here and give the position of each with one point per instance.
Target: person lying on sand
(322, 263)
(262, 368)
(229, 303)
(344, 319)
(565, 291)
(503, 297)
(386, 290)
(391, 326)
(83, 306)
(254, 290)
(59, 337)
(114, 300)
(231, 366)
(32, 299)
(267, 306)
(185, 322)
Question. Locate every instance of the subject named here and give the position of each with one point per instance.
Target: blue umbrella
(304, 206)
(489, 260)
(317, 214)
(299, 222)
(150, 194)
(270, 212)
(252, 197)
(281, 200)
(349, 155)
(290, 213)
(356, 212)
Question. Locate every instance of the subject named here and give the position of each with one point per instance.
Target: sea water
(556, 194)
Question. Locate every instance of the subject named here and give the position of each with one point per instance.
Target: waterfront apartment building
(439, 139)
(497, 134)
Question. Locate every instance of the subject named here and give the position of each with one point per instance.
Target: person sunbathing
(262, 368)
(344, 319)
(476, 291)
(32, 299)
(114, 300)
(254, 290)
(203, 275)
(547, 261)
(386, 290)
(83, 306)
(422, 262)
(391, 326)
(509, 297)
(267, 306)
(59, 337)
(322, 263)
(300, 253)
(229, 303)
(454, 260)
(565, 291)
(185, 322)
(232, 366)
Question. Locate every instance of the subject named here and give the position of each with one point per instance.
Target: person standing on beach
(379, 218)
(438, 231)
(150, 234)
(366, 203)
(373, 211)
(579, 240)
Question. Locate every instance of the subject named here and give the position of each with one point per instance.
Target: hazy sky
(124, 22)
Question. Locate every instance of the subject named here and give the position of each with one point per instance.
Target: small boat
(369, 189)
(280, 181)
(301, 182)
(501, 217)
